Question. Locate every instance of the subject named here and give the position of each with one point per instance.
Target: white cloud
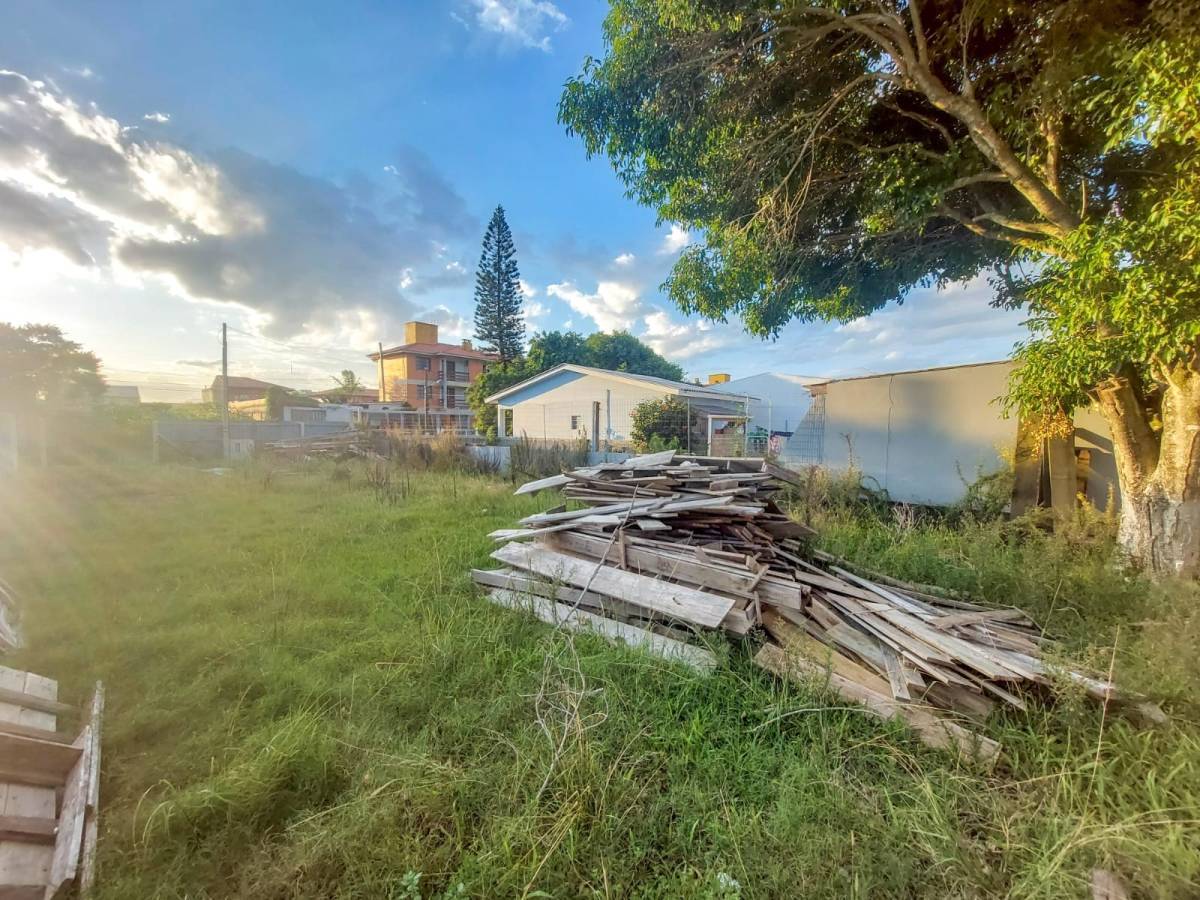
(675, 240)
(527, 289)
(159, 117)
(532, 311)
(526, 23)
(302, 253)
(625, 259)
(84, 72)
(681, 340)
(615, 305)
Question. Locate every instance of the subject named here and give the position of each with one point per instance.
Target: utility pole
(224, 391)
(382, 387)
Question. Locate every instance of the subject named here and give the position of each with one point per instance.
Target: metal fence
(688, 425)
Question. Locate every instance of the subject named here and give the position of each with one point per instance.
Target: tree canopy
(837, 156)
(499, 326)
(37, 363)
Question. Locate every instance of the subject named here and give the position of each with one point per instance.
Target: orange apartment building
(430, 376)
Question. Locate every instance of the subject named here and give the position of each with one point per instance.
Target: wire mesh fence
(741, 426)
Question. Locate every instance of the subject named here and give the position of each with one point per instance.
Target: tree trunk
(1159, 473)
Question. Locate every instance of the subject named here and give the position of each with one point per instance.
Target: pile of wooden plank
(338, 445)
(49, 789)
(666, 547)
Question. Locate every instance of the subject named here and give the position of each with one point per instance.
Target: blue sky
(315, 174)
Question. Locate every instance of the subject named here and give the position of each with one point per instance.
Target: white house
(570, 402)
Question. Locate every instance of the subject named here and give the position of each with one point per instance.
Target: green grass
(306, 699)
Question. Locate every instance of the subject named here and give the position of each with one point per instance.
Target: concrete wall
(202, 439)
(924, 435)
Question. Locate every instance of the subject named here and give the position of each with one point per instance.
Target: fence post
(595, 426)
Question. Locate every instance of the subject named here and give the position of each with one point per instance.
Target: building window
(422, 363)
(574, 423)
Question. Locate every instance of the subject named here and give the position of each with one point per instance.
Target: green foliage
(553, 348)
(495, 378)
(499, 326)
(38, 364)
(322, 704)
(347, 384)
(279, 397)
(836, 157)
(618, 351)
(661, 424)
(622, 352)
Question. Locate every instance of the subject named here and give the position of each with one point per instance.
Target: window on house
(422, 363)
(574, 423)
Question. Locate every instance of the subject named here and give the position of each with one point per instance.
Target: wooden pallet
(49, 789)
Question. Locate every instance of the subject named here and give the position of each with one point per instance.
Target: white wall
(924, 435)
(548, 415)
(920, 434)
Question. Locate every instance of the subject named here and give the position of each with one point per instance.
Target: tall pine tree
(499, 327)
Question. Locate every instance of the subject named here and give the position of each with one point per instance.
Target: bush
(661, 424)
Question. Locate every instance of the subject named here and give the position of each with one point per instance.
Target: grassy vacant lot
(307, 700)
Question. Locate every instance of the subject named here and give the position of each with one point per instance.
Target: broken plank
(532, 487)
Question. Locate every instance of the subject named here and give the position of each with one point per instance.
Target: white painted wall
(924, 435)
(548, 416)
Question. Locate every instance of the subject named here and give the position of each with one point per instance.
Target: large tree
(38, 364)
(837, 156)
(499, 326)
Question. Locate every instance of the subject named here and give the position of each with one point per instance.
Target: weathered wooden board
(581, 620)
(676, 601)
(23, 863)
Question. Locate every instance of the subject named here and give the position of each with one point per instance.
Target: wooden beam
(28, 829)
(43, 734)
(32, 701)
(33, 758)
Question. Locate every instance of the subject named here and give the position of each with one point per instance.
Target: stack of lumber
(666, 547)
(49, 790)
(339, 445)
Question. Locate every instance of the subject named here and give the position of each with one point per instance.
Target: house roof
(678, 388)
(428, 349)
(239, 381)
(337, 392)
(994, 362)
